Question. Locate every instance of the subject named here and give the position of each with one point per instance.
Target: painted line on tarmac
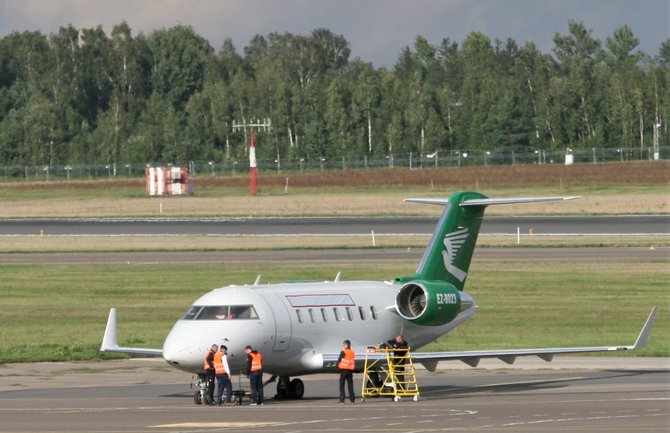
(224, 424)
(494, 385)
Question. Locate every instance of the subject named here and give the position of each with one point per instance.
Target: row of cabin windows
(322, 314)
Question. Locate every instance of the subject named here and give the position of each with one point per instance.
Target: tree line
(84, 96)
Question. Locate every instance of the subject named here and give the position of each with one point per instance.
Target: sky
(377, 30)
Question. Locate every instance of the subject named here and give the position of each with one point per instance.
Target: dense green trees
(83, 96)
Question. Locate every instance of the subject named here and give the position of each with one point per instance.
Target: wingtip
(109, 338)
(646, 330)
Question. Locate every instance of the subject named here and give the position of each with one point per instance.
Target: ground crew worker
(347, 364)
(210, 373)
(223, 377)
(255, 375)
(399, 357)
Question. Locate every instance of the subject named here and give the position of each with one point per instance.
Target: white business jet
(299, 327)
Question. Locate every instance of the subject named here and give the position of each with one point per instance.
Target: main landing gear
(288, 389)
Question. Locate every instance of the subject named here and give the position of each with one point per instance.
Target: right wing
(430, 359)
(109, 340)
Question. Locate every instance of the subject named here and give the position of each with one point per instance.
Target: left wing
(430, 359)
(109, 340)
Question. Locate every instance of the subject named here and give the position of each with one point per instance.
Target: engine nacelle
(429, 303)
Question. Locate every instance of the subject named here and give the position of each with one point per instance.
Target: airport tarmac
(576, 394)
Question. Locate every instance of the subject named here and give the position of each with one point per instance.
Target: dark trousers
(399, 369)
(256, 382)
(223, 382)
(209, 378)
(348, 377)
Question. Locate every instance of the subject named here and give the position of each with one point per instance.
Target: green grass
(59, 312)
(120, 189)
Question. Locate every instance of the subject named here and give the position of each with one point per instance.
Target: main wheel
(197, 397)
(283, 388)
(296, 389)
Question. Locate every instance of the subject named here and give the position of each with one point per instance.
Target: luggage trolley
(200, 395)
(240, 393)
(389, 375)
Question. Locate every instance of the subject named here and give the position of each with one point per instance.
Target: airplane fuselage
(294, 324)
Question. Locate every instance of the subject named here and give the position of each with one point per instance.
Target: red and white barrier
(167, 181)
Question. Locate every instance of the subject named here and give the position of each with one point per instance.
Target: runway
(294, 257)
(627, 396)
(639, 224)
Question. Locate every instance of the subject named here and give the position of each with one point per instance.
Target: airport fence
(232, 167)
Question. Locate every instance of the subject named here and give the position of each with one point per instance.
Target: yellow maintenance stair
(389, 375)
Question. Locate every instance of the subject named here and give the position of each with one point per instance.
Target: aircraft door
(282, 321)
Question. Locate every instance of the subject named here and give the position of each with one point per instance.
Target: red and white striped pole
(253, 175)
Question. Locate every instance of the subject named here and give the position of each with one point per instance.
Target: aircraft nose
(173, 355)
(180, 353)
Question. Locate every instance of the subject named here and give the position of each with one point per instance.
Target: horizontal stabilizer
(490, 201)
(109, 343)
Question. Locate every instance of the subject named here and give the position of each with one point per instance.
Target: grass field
(59, 312)
(634, 188)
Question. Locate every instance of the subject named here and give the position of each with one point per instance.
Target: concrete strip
(137, 371)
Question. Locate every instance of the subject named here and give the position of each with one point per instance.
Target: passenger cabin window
(221, 312)
(350, 315)
(337, 314)
(323, 315)
(361, 311)
(298, 314)
(373, 312)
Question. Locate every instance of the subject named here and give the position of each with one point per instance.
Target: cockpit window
(221, 312)
(192, 312)
(243, 312)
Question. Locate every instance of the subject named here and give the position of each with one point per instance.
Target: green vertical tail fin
(448, 255)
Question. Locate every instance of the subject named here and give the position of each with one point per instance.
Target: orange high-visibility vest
(347, 362)
(256, 361)
(218, 363)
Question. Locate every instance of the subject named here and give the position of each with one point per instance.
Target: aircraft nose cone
(180, 354)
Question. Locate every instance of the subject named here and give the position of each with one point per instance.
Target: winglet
(646, 330)
(109, 343)
(109, 339)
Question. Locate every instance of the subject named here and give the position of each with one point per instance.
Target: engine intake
(431, 303)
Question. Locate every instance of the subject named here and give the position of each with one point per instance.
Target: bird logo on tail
(453, 242)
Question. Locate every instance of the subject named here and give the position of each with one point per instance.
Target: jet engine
(431, 303)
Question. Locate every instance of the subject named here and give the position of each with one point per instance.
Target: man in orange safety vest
(347, 364)
(223, 382)
(255, 375)
(210, 373)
